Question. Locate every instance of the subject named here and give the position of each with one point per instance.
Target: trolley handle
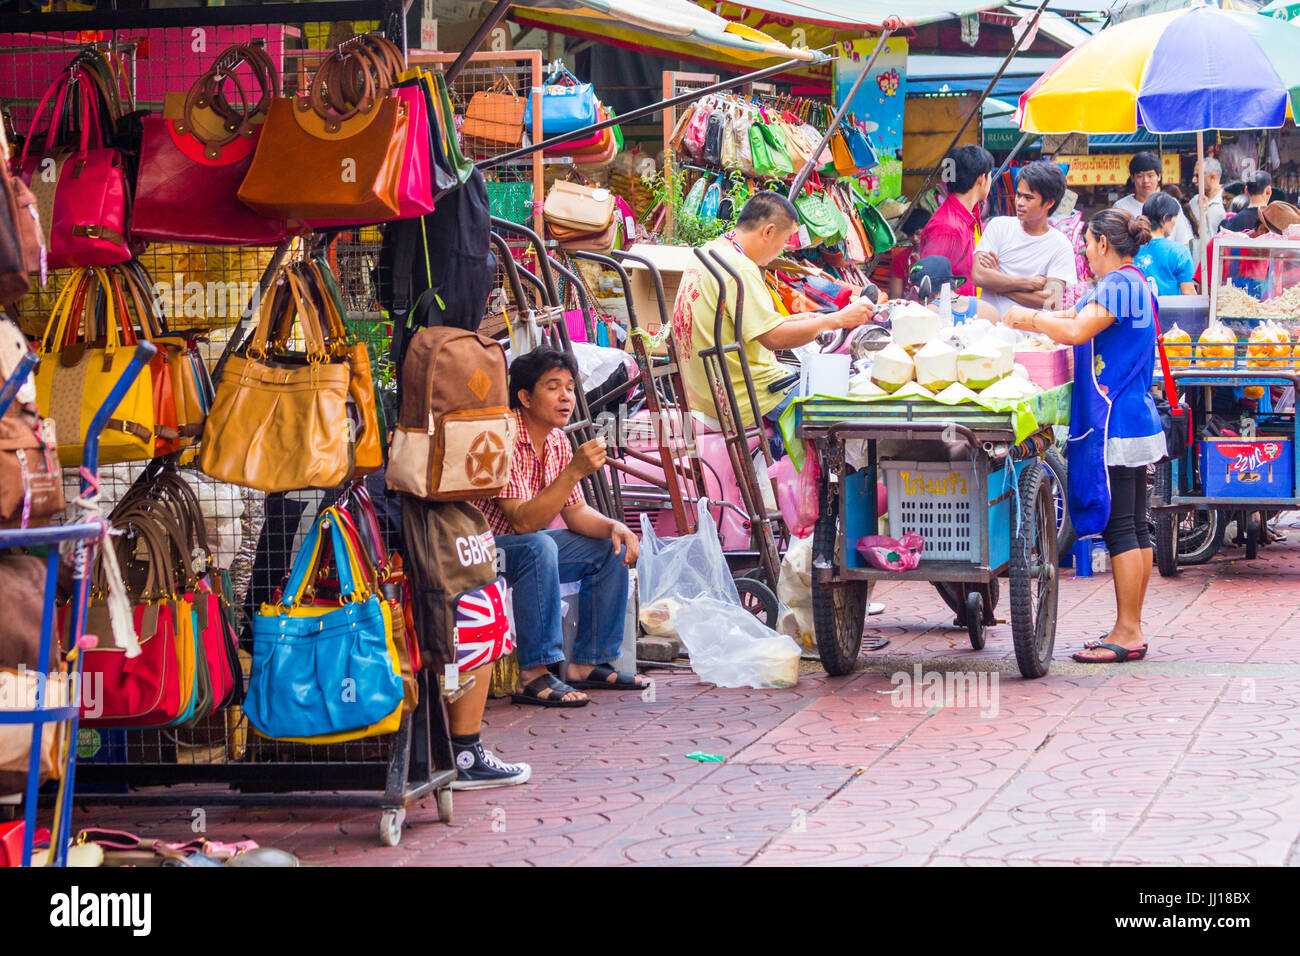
(504, 225)
(940, 428)
(144, 353)
(9, 391)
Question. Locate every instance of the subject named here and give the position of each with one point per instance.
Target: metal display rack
(143, 766)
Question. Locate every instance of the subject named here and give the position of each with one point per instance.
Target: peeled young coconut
(913, 326)
(979, 366)
(912, 390)
(936, 365)
(954, 393)
(861, 386)
(892, 368)
(1009, 389)
(1020, 372)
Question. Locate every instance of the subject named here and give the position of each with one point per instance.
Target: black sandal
(532, 693)
(1120, 652)
(598, 679)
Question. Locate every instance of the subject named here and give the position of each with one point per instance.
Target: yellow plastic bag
(1178, 346)
(1216, 347)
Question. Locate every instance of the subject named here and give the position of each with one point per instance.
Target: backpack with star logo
(453, 438)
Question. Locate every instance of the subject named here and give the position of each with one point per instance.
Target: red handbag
(81, 194)
(203, 146)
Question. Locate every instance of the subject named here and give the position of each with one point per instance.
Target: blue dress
(1113, 419)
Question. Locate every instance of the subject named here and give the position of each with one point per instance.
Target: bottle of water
(945, 306)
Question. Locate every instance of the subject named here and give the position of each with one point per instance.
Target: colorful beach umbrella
(1184, 71)
(1282, 9)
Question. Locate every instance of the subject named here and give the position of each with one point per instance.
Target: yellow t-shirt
(693, 325)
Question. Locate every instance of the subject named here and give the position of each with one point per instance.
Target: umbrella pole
(1202, 238)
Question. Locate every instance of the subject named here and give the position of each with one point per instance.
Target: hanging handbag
(270, 401)
(321, 670)
(203, 146)
(713, 136)
(458, 164)
(315, 161)
(567, 105)
(776, 158)
(576, 206)
(860, 148)
(819, 215)
(709, 203)
(22, 249)
(495, 117)
(77, 372)
(82, 196)
(698, 127)
(31, 481)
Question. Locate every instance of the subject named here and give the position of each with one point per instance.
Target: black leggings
(1127, 528)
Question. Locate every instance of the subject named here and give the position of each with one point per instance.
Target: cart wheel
(975, 620)
(839, 610)
(444, 805)
(1200, 536)
(1055, 463)
(390, 826)
(1252, 540)
(1167, 523)
(1034, 575)
(954, 595)
(757, 598)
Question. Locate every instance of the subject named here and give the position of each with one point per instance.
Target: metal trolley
(986, 502)
(1189, 523)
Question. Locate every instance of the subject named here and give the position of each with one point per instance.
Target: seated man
(939, 271)
(594, 550)
(764, 226)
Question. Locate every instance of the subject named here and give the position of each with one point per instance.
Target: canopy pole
(641, 111)
(1201, 237)
(889, 26)
(1006, 163)
(1015, 48)
(477, 40)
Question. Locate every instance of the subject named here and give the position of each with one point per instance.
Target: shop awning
(677, 22)
(948, 74)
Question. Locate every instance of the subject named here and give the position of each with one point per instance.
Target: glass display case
(1255, 280)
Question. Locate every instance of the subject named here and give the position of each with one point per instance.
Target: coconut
(913, 326)
(955, 393)
(982, 363)
(936, 366)
(1019, 371)
(861, 386)
(892, 367)
(1009, 389)
(912, 390)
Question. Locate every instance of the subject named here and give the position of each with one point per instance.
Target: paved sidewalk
(1190, 757)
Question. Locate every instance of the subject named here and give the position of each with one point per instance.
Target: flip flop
(1122, 654)
(598, 679)
(532, 693)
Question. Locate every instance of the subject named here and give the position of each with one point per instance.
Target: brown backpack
(454, 435)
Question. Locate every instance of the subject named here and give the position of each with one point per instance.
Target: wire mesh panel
(213, 289)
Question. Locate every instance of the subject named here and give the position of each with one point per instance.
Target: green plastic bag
(694, 198)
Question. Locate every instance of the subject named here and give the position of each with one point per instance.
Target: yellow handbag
(392, 721)
(76, 375)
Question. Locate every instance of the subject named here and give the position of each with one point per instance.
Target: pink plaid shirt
(529, 475)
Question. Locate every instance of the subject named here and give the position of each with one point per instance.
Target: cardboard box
(1259, 468)
(1048, 369)
(672, 262)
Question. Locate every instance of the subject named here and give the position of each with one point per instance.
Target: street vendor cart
(1249, 474)
(970, 479)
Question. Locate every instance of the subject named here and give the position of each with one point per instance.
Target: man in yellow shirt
(764, 226)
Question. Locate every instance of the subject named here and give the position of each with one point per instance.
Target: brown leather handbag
(276, 423)
(495, 117)
(22, 247)
(31, 481)
(335, 154)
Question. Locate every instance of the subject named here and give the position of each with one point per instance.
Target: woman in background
(1166, 264)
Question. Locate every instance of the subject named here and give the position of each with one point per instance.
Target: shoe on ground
(477, 768)
(874, 608)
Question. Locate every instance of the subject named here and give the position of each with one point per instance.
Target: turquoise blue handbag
(565, 107)
(321, 669)
(860, 148)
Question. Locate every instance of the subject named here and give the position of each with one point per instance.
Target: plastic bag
(794, 591)
(890, 555)
(674, 572)
(730, 648)
(797, 493)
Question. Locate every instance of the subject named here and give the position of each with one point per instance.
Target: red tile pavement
(1190, 757)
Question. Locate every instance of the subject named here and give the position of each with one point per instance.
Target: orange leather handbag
(337, 153)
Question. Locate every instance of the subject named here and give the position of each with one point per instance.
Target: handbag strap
(308, 558)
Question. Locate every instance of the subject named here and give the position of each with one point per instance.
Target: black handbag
(1175, 419)
(713, 133)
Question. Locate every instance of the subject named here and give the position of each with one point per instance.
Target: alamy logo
(76, 909)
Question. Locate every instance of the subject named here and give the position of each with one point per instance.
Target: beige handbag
(574, 206)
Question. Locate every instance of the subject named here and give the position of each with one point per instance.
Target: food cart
(970, 478)
(1248, 475)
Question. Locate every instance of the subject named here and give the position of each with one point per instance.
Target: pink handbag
(81, 194)
(693, 141)
(415, 197)
(597, 140)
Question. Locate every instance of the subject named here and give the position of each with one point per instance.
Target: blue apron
(1088, 489)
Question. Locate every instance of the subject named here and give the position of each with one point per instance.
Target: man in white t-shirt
(1145, 169)
(1215, 212)
(1021, 259)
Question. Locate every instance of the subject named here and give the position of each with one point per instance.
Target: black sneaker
(478, 769)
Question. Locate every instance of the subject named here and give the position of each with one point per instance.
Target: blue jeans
(536, 566)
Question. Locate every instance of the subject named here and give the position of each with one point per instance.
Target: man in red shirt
(951, 231)
(591, 549)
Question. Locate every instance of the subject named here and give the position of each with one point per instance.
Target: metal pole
(1015, 48)
(641, 111)
(890, 25)
(476, 41)
(1202, 239)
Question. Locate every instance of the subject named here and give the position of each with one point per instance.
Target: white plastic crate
(938, 501)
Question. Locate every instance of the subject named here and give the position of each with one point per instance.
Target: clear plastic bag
(672, 572)
(730, 648)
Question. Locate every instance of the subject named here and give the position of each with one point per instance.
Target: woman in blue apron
(1115, 431)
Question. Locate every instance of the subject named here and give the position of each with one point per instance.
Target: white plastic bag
(672, 572)
(730, 648)
(794, 591)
